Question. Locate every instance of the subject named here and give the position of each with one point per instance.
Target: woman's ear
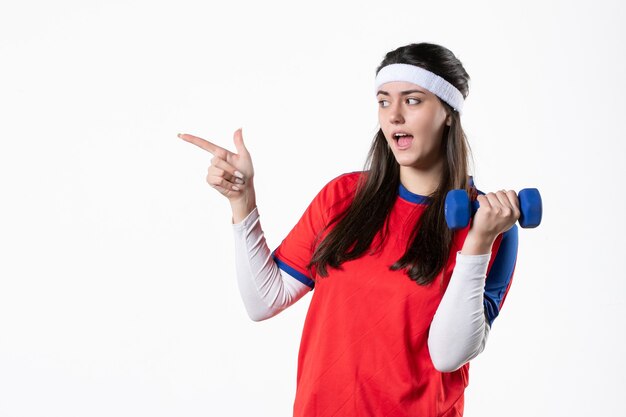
(448, 120)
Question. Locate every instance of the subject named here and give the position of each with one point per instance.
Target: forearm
(266, 290)
(459, 329)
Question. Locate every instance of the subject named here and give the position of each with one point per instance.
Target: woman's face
(408, 108)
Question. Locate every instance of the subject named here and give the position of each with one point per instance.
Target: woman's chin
(405, 159)
(417, 162)
(413, 158)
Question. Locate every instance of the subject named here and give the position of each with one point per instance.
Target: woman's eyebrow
(402, 92)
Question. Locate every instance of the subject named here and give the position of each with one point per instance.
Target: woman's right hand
(229, 173)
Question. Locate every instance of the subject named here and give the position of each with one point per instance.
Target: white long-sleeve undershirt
(459, 329)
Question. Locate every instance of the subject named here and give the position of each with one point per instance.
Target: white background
(118, 293)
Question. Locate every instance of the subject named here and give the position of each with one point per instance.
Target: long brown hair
(376, 192)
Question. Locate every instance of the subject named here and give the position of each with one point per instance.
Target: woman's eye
(410, 98)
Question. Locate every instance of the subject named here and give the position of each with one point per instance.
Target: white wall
(117, 286)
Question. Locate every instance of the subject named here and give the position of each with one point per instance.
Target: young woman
(401, 303)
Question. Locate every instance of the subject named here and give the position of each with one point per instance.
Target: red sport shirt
(363, 349)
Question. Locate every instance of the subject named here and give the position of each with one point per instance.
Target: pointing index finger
(202, 143)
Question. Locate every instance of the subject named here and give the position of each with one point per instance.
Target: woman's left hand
(497, 213)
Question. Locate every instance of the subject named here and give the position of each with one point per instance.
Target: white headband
(424, 78)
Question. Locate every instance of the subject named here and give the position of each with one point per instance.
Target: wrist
(243, 205)
(476, 244)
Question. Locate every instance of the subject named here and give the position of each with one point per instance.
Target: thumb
(238, 139)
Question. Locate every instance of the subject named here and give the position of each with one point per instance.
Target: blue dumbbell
(458, 208)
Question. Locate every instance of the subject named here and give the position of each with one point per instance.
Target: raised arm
(265, 289)
(475, 293)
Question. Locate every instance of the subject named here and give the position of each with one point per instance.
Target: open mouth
(402, 140)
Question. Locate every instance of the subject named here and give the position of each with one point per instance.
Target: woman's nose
(395, 115)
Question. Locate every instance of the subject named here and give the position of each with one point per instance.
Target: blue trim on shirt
(501, 273)
(293, 272)
(405, 194)
(412, 197)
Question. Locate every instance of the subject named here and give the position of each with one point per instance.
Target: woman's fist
(497, 213)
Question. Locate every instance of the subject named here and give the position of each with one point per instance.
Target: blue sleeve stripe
(293, 273)
(500, 274)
